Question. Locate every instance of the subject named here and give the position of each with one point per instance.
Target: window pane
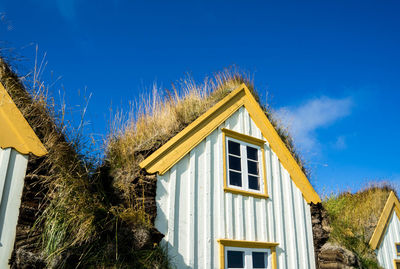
(254, 183)
(259, 259)
(234, 163)
(252, 167)
(235, 179)
(252, 153)
(235, 259)
(398, 248)
(233, 147)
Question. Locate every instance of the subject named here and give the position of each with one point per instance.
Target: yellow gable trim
(392, 205)
(181, 144)
(16, 132)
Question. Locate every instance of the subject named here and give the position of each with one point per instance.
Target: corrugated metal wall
(12, 173)
(193, 211)
(386, 252)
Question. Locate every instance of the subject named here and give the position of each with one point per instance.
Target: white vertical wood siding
(12, 173)
(386, 252)
(193, 211)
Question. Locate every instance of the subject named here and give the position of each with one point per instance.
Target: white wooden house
(17, 141)
(386, 237)
(230, 194)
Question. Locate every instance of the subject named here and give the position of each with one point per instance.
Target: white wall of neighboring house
(12, 173)
(386, 252)
(193, 211)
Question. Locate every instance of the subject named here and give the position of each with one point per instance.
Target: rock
(145, 238)
(334, 256)
(24, 259)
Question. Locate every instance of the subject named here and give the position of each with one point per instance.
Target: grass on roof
(354, 216)
(155, 119)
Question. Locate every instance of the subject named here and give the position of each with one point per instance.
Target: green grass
(353, 218)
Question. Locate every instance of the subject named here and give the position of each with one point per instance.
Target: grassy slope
(354, 217)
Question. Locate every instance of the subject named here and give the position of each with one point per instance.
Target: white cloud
(302, 121)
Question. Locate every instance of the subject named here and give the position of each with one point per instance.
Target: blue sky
(329, 68)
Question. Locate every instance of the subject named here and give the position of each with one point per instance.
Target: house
(17, 141)
(386, 237)
(230, 194)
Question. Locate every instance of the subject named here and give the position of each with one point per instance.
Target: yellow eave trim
(392, 205)
(177, 147)
(246, 244)
(16, 132)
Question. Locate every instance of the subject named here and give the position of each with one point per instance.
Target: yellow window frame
(251, 140)
(223, 243)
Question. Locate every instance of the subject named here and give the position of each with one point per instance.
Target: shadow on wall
(177, 260)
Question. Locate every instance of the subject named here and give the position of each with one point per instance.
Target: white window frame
(248, 262)
(243, 162)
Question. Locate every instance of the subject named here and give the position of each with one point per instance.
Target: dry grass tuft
(157, 118)
(60, 178)
(354, 216)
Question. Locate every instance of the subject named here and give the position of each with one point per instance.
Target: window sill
(246, 193)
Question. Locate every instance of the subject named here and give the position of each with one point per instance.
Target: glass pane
(254, 183)
(234, 163)
(252, 153)
(233, 148)
(398, 247)
(252, 167)
(235, 259)
(259, 259)
(235, 179)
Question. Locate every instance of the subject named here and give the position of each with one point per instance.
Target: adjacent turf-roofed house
(17, 141)
(230, 194)
(386, 237)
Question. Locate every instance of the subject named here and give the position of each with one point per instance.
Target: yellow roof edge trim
(177, 147)
(392, 205)
(17, 133)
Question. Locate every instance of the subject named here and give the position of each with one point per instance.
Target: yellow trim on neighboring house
(16, 132)
(246, 244)
(181, 144)
(251, 140)
(396, 263)
(392, 205)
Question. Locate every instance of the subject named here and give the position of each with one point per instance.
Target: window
(397, 249)
(244, 164)
(247, 254)
(247, 258)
